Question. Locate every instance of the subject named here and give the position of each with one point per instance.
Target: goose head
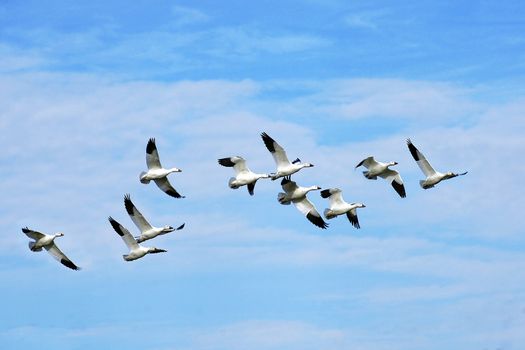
(360, 205)
(59, 234)
(154, 250)
(450, 174)
(168, 228)
(392, 163)
(307, 165)
(175, 170)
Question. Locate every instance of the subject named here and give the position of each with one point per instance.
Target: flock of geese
(293, 193)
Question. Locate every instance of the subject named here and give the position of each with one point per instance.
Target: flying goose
(243, 175)
(432, 177)
(284, 167)
(42, 240)
(146, 230)
(297, 195)
(338, 206)
(382, 170)
(156, 172)
(136, 250)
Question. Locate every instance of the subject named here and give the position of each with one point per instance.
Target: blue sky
(84, 86)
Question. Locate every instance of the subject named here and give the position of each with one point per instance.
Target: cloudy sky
(83, 86)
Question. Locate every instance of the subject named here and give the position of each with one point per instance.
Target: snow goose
(146, 230)
(297, 195)
(338, 206)
(284, 167)
(243, 175)
(156, 172)
(382, 170)
(136, 251)
(432, 177)
(47, 242)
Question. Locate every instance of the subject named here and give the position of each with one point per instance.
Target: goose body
(338, 206)
(433, 177)
(147, 231)
(243, 175)
(297, 195)
(136, 251)
(156, 172)
(375, 169)
(284, 166)
(47, 242)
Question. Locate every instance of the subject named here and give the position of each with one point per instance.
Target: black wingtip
(25, 229)
(174, 194)
(400, 189)
(69, 264)
(360, 163)
(326, 193)
(317, 221)
(297, 160)
(226, 162)
(413, 150)
(180, 227)
(116, 226)
(268, 141)
(151, 146)
(286, 179)
(128, 204)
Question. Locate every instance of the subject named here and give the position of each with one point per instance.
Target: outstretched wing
(395, 180)
(238, 163)
(135, 215)
(57, 254)
(367, 162)
(152, 155)
(352, 217)
(278, 153)
(307, 208)
(251, 187)
(420, 159)
(165, 185)
(32, 234)
(288, 185)
(334, 195)
(124, 234)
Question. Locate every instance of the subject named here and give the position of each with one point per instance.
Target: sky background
(83, 86)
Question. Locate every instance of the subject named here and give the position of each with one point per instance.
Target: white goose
(297, 195)
(243, 175)
(382, 170)
(136, 250)
(48, 243)
(338, 206)
(156, 172)
(432, 177)
(284, 167)
(146, 230)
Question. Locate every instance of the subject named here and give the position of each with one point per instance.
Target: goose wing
(420, 159)
(32, 234)
(57, 254)
(135, 215)
(352, 217)
(395, 180)
(124, 234)
(238, 164)
(367, 162)
(334, 195)
(251, 187)
(278, 153)
(288, 185)
(165, 186)
(152, 155)
(307, 208)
